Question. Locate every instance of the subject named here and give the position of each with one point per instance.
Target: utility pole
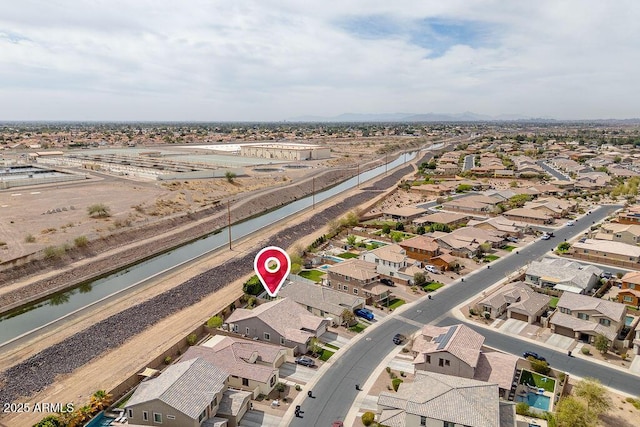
(313, 192)
(358, 175)
(386, 162)
(229, 221)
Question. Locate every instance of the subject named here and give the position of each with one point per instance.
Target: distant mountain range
(412, 117)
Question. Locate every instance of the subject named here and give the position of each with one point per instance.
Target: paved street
(469, 162)
(335, 391)
(552, 171)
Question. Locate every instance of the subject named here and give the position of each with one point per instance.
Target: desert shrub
(192, 339)
(522, 408)
(80, 241)
(396, 383)
(585, 350)
(167, 360)
(298, 387)
(367, 418)
(214, 322)
(539, 366)
(29, 238)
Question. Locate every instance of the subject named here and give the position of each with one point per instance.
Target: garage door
(519, 316)
(561, 330)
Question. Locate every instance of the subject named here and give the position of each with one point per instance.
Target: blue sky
(273, 60)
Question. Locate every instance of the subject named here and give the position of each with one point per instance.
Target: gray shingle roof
(562, 271)
(188, 387)
(320, 297)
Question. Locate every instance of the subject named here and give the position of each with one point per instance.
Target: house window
(355, 291)
(447, 362)
(245, 382)
(429, 358)
(605, 322)
(627, 298)
(202, 416)
(583, 316)
(441, 362)
(449, 424)
(214, 403)
(423, 421)
(130, 413)
(272, 382)
(246, 331)
(586, 251)
(145, 416)
(281, 341)
(235, 328)
(267, 336)
(157, 418)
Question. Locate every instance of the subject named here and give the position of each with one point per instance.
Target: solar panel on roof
(443, 339)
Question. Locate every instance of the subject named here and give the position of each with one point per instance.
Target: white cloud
(270, 60)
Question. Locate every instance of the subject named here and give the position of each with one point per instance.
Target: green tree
(419, 278)
(50, 421)
(463, 188)
(522, 408)
(100, 400)
(440, 227)
(595, 395)
(421, 230)
(280, 388)
(230, 176)
(351, 239)
(386, 229)
(571, 412)
(253, 286)
(601, 344)
(99, 210)
(214, 322)
(513, 184)
(192, 339)
(352, 219)
(519, 200)
(539, 366)
(314, 345)
(564, 247)
(348, 318)
(397, 236)
(399, 226)
(617, 159)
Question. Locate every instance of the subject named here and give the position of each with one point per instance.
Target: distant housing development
(283, 151)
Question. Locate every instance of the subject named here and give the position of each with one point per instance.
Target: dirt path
(108, 370)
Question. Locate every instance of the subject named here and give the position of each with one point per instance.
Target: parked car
(305, 361)
(528, 354)
(399, 339)
(512, 239)
(545, 236)
(432, 269)
(571, 223)
(364, 313)
(387, 282)
(606, 275)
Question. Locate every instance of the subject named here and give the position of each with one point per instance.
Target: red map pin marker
(272, 265)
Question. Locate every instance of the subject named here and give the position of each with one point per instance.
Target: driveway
(334, 339)
(255, 418)
(512, 326)
(403, 365)
(560, 341)
(635, 365)
(297, 373)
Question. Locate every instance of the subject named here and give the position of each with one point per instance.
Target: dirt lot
(107, 370)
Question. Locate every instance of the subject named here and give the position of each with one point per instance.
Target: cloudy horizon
(276, 60)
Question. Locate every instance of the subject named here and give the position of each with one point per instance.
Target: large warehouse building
(286, 151)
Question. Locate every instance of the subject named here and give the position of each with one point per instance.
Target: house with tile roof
(282, 322)
(434, 399)
(403, 214)
(607, 252)
(252, 365)
(185, 394)
(360, 278)
(552, 206)
(612, 231)
(517, 300)
(562, 275)
(531, 216)
(452, 219)
(322, 300)
(457, 350)
(630, 291)
(503, 226)
(421, 248)
(583, 317)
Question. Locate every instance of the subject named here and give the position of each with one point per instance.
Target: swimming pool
(100, 420)
(628, 320)
(535, 400)
(324, 267)
(334, 258)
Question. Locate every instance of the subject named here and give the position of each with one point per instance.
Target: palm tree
(100, 400)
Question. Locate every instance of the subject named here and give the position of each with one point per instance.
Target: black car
(528, 354)
(387, 282)
(399, 339)
(607, 275)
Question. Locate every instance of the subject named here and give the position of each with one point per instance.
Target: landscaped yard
(331, 346)
(314, 275)
(491, 257)
(348, 255)
(433, 286)
(509, 248)
(553, 302)
(395, 303)
(359, 327)
(537, 380)
(325, 355)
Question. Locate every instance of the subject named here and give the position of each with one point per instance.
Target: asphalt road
(335, 392)
(552, 171)
(469, 162)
